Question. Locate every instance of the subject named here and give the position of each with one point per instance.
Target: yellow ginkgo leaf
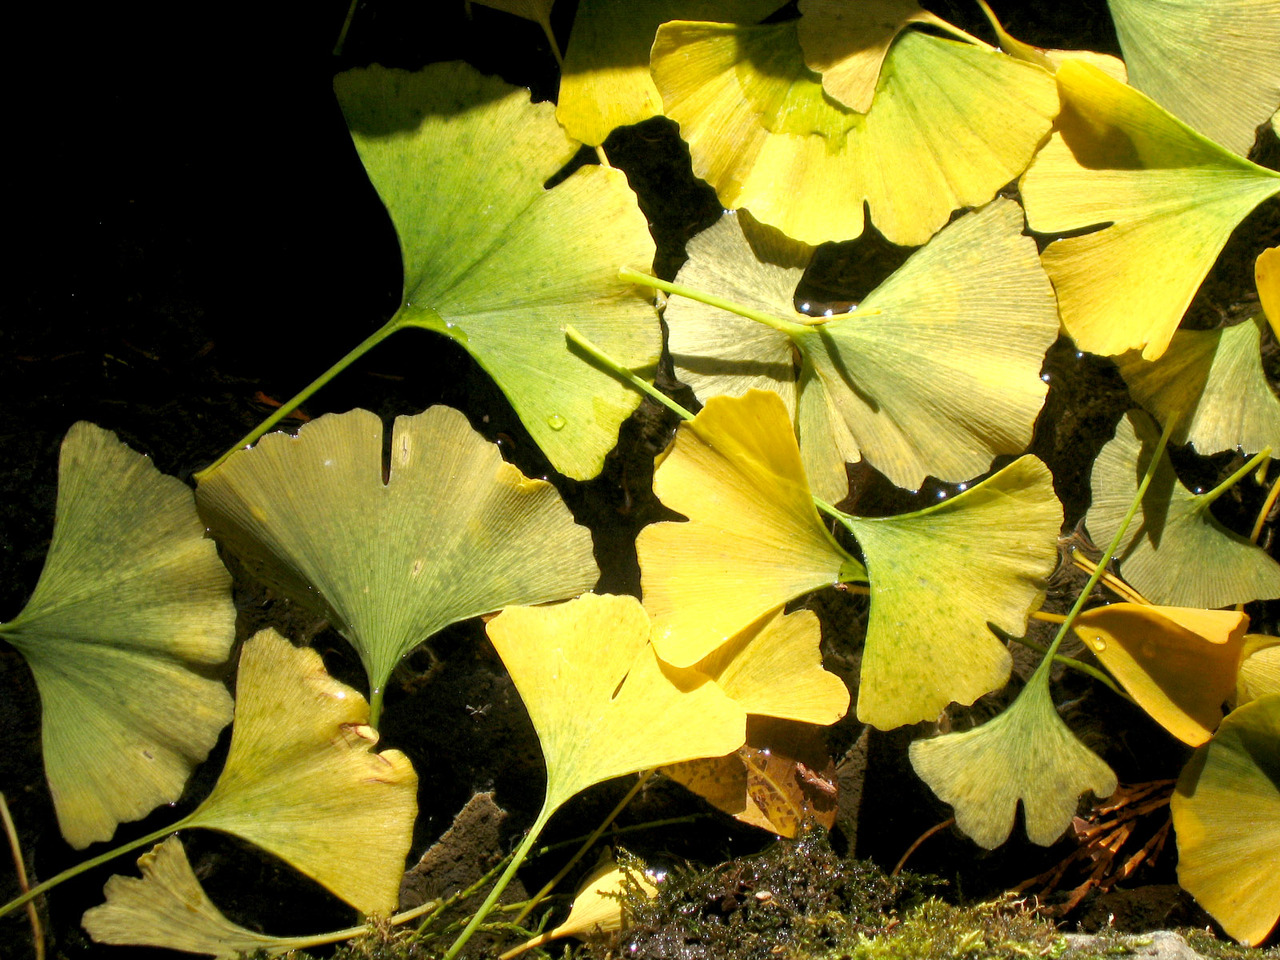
(950, 124)
(1165, 198)
(1259, 668)
(938, 577)
(1226, 815)
(753, 539)
(1051, 59)
(131, 613)
(1216, 66)
(1266, 272)
(302, 781)
(1178, 664)
(1211, 382)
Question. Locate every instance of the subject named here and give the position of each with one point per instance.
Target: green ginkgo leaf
(1226, 815)
(302, 781)
(1211, 382)
(454, 531)
(1025, 754)
(1165, 198)
(1216, 66)
(499, 263)
(1175, 552)
(936, 372)
(938, 577)
(753, 539)
(132, 610)
(949, 125)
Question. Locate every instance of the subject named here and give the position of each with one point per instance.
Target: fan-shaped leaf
(1259, 668)
(131, 613)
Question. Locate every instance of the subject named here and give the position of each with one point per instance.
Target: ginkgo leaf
(539, 11)
(847, 44)
(1051, 59)
(1175, 552)
(1226, 814)
(1259, 668)
(938, 577)
(753, 540)
(1166, 200)
(598, 697)
(1216, 66)
(454, 531)
(1267, 274)
(1025, 754)
(131, 611)
(1211, 382)
(1178, 664)
(950, 124)
(605, 81)
(936, 373)
(169, 909)
(497, 262)
(302, 781)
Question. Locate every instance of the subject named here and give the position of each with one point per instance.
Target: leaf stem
(606, 361)
(1072, 663)
(1250, 465)
(789, 327)
(1270, 502)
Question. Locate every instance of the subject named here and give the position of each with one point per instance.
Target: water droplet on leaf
(556, 422)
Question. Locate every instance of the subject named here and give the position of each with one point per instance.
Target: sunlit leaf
(131, 614)
(1214, 65)
(1175, 552)
(938, 577)
(605, 82)
(1179, 665)
(452, 533)
(600, 701)
(1213, 384)
(950, 124)
(302, 781)
(1267, 275)
(753, 540)
(497, 262)
(1226, 814)
(1165, 198)
(1259, 668)
(1025, 754)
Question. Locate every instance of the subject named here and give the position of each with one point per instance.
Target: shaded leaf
(1259, 673)
(753, 540)
(962, 120)
(1165, 198)
(1175, 552)
(131, 613)
(452, 533)
(938, 577)
(1179, 665)
(1051, 59)
(302, 781)
(1216, 66)
(1025, 754)
(497, 262)
(539, 11)
(1226, 813)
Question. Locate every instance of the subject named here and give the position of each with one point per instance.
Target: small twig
(936, 828)
(37, 931)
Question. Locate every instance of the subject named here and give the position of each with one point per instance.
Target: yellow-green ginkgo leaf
(132, 611)
(1267, 274)
(605, 82)
(454, 531)
(1165, 197)
(1226, 814)
(1214, 65)
(1175, 552)
(497, 262)
(1259, 668)
(950, 124)
(1025, 754)
(938, 577)
(1211, 382)
(1178, 664)
(302, 779)
(753, 539)
(600, 700)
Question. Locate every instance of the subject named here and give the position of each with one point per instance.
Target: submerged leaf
(453, 533)
(1025, 754)
(497, 262)
(1175, 552)
(1226, 814)
(1178, 664)
(302, 780)
(753, 540)
(131, 613)
(1165, 198)
(938, 577)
